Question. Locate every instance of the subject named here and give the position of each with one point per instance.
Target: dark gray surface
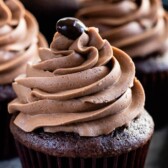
(157, 156)
(158, 153)
(14, 163)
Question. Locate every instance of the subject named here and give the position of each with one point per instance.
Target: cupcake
(48, 12)
(80, 105)
(19, 41)
(140, 29)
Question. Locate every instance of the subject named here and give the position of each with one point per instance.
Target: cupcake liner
(7, 144)
(34, 159)
(156, 91)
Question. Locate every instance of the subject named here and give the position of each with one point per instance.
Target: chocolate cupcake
(80, 105)
(140, 29)
(19, 41)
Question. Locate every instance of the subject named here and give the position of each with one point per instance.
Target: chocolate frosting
(83, 86)
(19, 39)
(137, 27)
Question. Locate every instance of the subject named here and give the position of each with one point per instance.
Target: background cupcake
(80, 105)
(19, 41)
(140, 29)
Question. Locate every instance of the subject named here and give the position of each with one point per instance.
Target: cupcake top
(81, 84)
(137, 27)
(19, 39)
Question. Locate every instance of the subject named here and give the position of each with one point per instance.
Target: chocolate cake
(80, 105)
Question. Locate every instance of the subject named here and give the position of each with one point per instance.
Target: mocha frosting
(19, 39)
(137, 27)
(83, 86)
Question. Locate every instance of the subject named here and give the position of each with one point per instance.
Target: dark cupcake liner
(156, 91)
(34, 159)
(7, 144)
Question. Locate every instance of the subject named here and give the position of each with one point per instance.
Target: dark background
(48, 12)
(165, 3)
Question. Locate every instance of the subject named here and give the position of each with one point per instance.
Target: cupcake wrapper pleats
(34, 159)
(156, 91)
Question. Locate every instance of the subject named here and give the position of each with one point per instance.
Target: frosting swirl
(83, 86)
(137, 27)
(19, 39)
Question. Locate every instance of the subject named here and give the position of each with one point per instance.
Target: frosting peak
(19, 39)
(83, 86)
